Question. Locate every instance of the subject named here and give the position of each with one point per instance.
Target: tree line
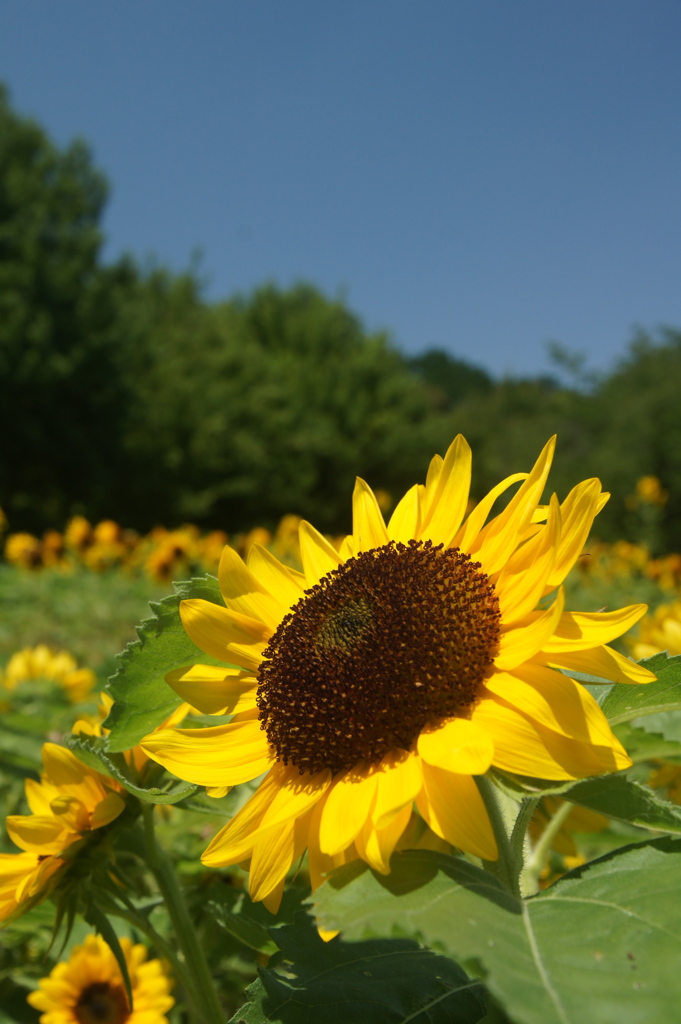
(126, 395)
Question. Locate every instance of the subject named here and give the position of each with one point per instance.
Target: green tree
(61, 403)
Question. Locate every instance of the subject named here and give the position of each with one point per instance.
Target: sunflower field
(360, 734)
(426, 771)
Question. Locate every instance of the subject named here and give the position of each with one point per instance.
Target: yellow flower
(24, 880)
(659, 631)
(69, 801)
(393, 671)
(42, 663)
(24, 550)
(667, 776)
(89, 989)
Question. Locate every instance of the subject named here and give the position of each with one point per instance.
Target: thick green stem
(535, 863)
(509, 825)
(202, 990)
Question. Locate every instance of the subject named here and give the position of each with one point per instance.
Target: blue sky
(481, 176)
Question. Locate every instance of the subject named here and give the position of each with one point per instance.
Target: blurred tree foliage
(126, 395)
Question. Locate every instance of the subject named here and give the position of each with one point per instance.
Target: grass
(93, 615)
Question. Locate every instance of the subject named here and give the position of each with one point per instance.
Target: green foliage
(626, 800)
(625, 702)
(93, 751)
(599, 945)
(382, 981)
(142, 697)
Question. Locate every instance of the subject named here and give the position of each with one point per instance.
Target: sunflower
(25, 879)
(395, 669)
(89, 989)
(69, 801)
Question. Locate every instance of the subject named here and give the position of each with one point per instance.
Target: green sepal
(626, 701)
(143, 699)
(93, 752)
(382, 981)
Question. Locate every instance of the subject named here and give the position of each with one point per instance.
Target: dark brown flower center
(103, 1002)
(392, 640)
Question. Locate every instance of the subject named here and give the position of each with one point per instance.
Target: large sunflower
(393, 671)
(88, 988)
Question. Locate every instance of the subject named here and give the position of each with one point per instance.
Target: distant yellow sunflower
(394, 670)
(89, 989)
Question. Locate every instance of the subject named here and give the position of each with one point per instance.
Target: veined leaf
(625, 701)
(643, 742)
(601, 945)
(92, 751)
(142, 697)
(621, 798)
(383, 981)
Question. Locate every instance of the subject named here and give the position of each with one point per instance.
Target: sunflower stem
(509, 825)
(200, 987)
(536, 861)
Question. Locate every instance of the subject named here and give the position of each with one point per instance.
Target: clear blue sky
(481, 176)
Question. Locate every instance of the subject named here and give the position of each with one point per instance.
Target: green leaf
(665, 723)
(142, 697)
(383, 981)
(621, 798)
(92, 751)
(626, 701)
(601, 945)
(251, 922)
(100, 922)
(642, 743)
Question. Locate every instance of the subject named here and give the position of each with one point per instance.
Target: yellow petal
(347, 807)
(554, 701)
(448, 504)
(38, 797)
(284, 583)
(453, 807)
(245, 594)
(577, 631)
(61, 766)
(38, 833)
(224, 755)
(319, 557)
(521, 643)
(478, 517)
(213, 689)
(404, 522)
(432, 480)
(234, 842)
(499, 538)
(602, 662)
(522, 580)
(398, 783)
(224, 634)
(578, 512)
(295, 794)
(107, 810)
(368, 526)
(376, 845)
(275, 852)
(524, 747)
(458, 745)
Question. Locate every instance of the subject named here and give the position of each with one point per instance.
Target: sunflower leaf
(383, 981)
(142, 697)
(601, 945)
(622, 798)
(93, 752)
(625, 701)
(100, 922)
(642, 744)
